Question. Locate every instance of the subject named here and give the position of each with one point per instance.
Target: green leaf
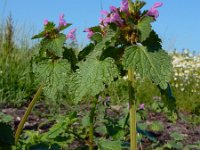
(70, 55)
(5, 118)
(6, 135)
(54, 74)
(153, 42)
(40, 35)
(168, 98)
(177, 136)
(131, 6)
(97, 37)
(64, 27)
(50, 27)
(96, 29)
(92, 76)
(101, 130)
(85, 121)
(60, 127)
(57, 129)
(109, 145)
(144, 27)
(86, 51)
(156, 66)
(156, 126)
(112, 52)
(54, 46)
(40, 146)
(107, 41)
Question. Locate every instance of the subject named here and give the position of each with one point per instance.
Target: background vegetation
(16, 86)
(17, 89)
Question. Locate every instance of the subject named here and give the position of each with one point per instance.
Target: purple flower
(142, 106)
(62, 21)
(90, 32)
(61, 16)
(112, 17)
(71, 34)
(158, 4)
(124, 6)
(115, 18)
(46, 22)
(113, 9)
(104, 12)
(153, 11)
(106, 21)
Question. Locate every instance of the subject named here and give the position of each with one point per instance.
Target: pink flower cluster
(90, 32)
(124, 6)
(46, 22)
(141, 106)
(112, 17)
(62, 21)
(153, 11)
(71, 35)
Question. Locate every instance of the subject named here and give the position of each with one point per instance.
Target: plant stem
(27, 113)
(91, 131)
(132, 111)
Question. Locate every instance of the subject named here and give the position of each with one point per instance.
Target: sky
(178, 24)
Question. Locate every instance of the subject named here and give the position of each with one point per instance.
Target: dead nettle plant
(53, 65)
(123, 43)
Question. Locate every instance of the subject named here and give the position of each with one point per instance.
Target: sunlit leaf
(54, 46)
(92, 76)
(109, 145)
(153, 65)
(54, 74)
(144, 27)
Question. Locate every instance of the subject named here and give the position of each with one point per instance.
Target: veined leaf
(109, 145)
(97, 37)
(54, 46)
(102, 43)
(153, 42)
(168, 98)
(50, 27)
(40, 35)
(53, 74)
(58, 128)
(64, 27)
(92, 76)
(106, 41)
(70, 55)
(154, 65)
(144, 27)
(86, 51)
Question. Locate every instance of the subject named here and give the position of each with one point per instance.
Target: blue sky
(178, 24)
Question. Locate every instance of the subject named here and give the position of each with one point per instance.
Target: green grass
(15, 81)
